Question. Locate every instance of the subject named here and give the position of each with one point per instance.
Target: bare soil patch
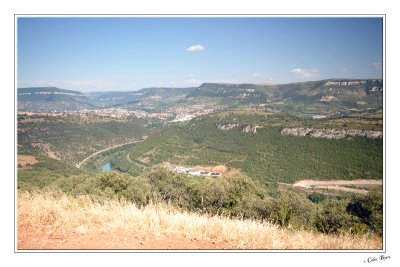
(340, 185)
(217, 168)
(23, 160)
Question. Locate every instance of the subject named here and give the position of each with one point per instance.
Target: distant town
(173, 114)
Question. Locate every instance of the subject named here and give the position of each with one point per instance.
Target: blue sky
(102, 54)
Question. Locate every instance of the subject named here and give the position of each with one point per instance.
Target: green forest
(265, 155)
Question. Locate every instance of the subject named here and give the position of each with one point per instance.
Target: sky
(130, 53)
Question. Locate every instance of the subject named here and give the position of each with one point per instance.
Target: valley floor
(56, 221)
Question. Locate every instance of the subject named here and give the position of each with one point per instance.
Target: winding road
(103, 150)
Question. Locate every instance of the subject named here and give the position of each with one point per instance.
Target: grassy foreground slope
(59, 221)
(267, 154)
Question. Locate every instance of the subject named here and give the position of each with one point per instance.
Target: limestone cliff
(331, 133)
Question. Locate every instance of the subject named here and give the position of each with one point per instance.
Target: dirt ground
(216, 168)
(31, 239)
(338, 185)
(25, 159)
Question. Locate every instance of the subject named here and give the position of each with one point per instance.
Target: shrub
(233, 196)
(333, 218)
(178, 189)
(316, 197)
(108, 185)
(238, 196)
(369, 209)
(294, 209)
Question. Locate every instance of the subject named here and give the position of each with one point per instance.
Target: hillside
(73, 137)
(258, 145)
(316, 97)
(51, 99)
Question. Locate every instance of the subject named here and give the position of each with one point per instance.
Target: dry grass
(59, 213)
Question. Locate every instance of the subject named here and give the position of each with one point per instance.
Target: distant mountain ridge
(51, 99)
(346, 91)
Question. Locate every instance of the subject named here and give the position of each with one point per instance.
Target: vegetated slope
(74, 137)
(265, 154)
(119, 225)
(331, 96)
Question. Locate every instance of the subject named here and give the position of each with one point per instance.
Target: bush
(108, 185)
(231, 196)
(369, 209)
(237, 196)
(333, 218)
(294, 209)
(316, 197)
(178, 189)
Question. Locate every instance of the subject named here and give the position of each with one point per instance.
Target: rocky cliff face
(331, 133)
(227, 126)
(346, 83)
(245, 128)
(250, 129)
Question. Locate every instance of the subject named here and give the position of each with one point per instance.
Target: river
(106, 166)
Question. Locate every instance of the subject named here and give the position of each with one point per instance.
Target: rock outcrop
(245, 128)
(346, 83)
(250, 129)
(331, 133)
(227, 126)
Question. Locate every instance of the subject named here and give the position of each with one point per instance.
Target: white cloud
(195, 48)
(305, 73)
